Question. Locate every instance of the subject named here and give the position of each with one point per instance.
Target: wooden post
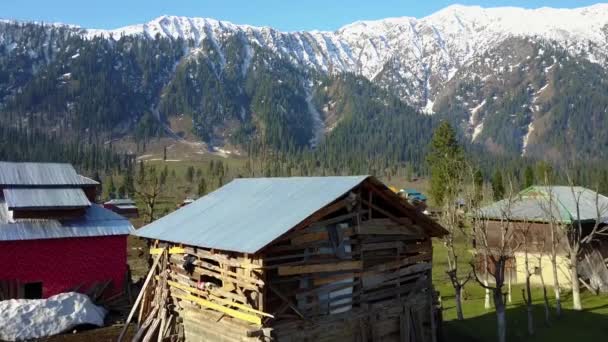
(369, 214)
(139, 297)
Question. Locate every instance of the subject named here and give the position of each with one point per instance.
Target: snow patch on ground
(428, 108)
(476, 110)
(144, 156)
(473, 119)
(221, 152)
(477, 131)
(27, 319)
(542, 89)
(247, 59)
(318, 124)
(526, 138)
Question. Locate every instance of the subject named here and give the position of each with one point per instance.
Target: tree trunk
(487, 304)
(576, 289)
(458, 298)
(528, 297)
(509, 288)
(501, 316)
(546, 299)
(558, 302)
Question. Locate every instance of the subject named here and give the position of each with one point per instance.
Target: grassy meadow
(479, 324)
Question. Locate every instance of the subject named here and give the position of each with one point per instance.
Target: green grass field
(591, 324)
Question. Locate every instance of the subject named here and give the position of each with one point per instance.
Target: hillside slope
(515, 81)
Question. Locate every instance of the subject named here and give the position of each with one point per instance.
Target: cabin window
(32, 290)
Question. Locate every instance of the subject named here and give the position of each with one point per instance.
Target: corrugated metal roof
(88, 181)
(126, 207)
(121, 201)
(247, 214)
(96, 222)
(542, 203)
(45, 198)
(40, 174)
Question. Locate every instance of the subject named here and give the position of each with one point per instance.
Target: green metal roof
(544, 203)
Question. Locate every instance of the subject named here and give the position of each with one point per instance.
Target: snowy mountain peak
(415, 55)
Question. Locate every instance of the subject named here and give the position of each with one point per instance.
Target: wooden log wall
(362, 273)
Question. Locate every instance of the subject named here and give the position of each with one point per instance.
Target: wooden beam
(139, 297)
(217, 307)
(286, 300)
(319, 268)
(193, 290)
(387, 214)
(172, 250)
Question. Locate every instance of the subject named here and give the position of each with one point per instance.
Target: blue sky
(287, 15)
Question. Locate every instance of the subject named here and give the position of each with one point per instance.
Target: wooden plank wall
(354, 275)
(216, 296)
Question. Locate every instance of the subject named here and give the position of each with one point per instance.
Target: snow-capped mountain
(422, 54)
(531, 82)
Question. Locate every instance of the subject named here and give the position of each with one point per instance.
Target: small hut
(123, 206)
(53, 238)
(292, 259)
(530, 215)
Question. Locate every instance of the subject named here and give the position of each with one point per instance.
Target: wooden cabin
(529, 216)
(292, 259)
(123, 206)
(53, 237)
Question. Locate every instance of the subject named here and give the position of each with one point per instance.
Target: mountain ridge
(437, 44)
(484, 69)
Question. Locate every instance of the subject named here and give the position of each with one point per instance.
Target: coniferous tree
(142, 172)
(528, 177)
(444, 159)
(202, 187)
(129, 183)
(190, 174)
(111, 188)
(603, 182)
(498, 186)
(478, 182)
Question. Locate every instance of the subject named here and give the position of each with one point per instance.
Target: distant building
(413, 195)
(123, 206)
(186, 202)
(415, 198)
(531, 212)
(53, 238)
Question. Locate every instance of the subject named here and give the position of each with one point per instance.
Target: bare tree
(542, 282)
(555, 226)
(479, 224)
(568, 235)
(499, 255)
(525, 233)
(577, 238)
(452, 219)
(149, 188)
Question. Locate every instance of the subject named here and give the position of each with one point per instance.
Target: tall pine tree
(445, 161)
(498, 186)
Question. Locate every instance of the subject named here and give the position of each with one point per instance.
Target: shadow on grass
(576, 326)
